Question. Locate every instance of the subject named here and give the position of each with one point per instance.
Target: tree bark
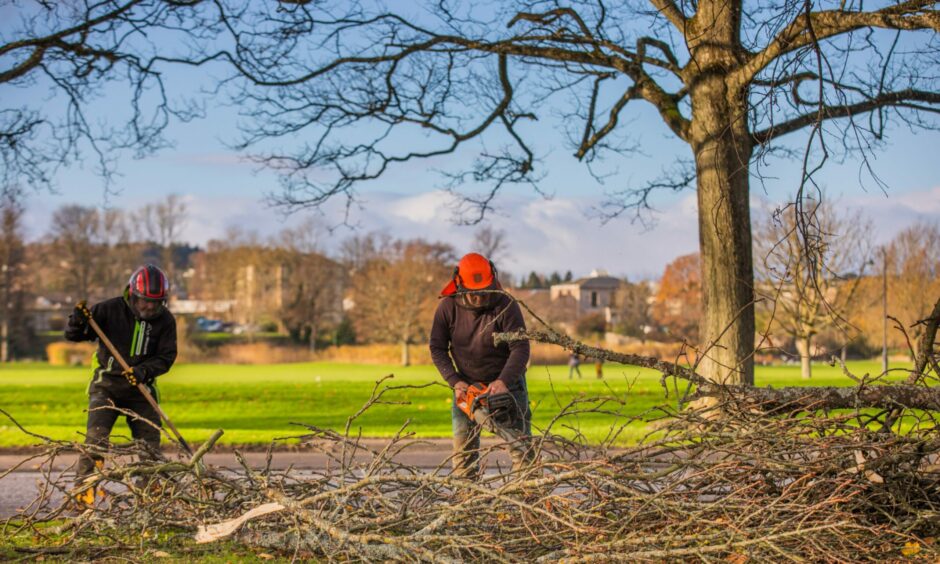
(804, 346)
(925, 350)
(4, 339)
(722, 147)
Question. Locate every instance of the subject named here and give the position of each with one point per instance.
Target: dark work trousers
(107, 391)
(466, 459)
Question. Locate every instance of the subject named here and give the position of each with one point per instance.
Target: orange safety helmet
(473, 272)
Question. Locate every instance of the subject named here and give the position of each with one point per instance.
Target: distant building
(593, 294)
(49, 313)
(216, 308)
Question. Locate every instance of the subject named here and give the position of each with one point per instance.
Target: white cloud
(926, 203)
(894, 212)
(423, 208)
(553, 224)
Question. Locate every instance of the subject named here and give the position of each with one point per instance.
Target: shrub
(591, 324)
(258, 353)
(344, 334)
(375, 354)
(265, 352)
(64, 353)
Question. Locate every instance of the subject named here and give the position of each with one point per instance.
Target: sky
(557, 233)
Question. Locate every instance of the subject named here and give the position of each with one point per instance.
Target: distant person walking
(574, 365)
(599, 363)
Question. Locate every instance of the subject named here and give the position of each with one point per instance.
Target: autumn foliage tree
(311, 284)
(395, 292)
(94, 252)
(633, 309)
(913, 259)
(803, 295)
(13, 276)
(911, 264)
(677, 307)
(242, 268)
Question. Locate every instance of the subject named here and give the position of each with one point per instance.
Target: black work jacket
(462, 345)
(149, 346)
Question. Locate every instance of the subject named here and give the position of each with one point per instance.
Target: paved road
(21, 487)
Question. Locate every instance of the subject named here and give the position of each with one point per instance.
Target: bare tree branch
(909, 99)
(803, 31)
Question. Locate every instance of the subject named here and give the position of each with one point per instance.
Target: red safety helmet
(149, 283)
(148, 290)
(473, 272)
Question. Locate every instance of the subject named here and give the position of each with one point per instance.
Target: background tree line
(373, 288)
(830, 292)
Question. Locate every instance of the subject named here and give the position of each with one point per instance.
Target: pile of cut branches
(800, 485)
(840, 474)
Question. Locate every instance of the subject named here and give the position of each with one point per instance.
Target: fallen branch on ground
(802, 398)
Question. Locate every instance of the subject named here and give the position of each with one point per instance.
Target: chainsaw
(495, 412)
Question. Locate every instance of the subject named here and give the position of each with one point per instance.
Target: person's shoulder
(505, 305)
(166, 316)
(447, 303)
(507, 301)
(110, 303)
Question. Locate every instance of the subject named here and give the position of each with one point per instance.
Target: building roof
(598, 283)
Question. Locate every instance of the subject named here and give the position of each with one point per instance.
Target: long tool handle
(143, 389)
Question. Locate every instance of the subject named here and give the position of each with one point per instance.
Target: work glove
(82, 311)
(80, 315)
(129, 374)
(136, 378)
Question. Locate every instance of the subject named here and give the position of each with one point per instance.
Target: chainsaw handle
(469, 400)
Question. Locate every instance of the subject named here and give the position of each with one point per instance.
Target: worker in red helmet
(143, 331)
(472, 308)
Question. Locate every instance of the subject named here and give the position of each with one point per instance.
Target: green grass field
(255, 404)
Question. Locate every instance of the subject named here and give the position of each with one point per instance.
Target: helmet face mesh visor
(145, 308)
(476, 301)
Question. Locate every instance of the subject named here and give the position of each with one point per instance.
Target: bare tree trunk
(166, 255)
(313, 338)
(4, 339)
(5, 312)
(722, 147)
(405, 354)
(804, 346)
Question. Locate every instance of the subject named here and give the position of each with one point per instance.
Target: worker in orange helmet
(472, 308)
